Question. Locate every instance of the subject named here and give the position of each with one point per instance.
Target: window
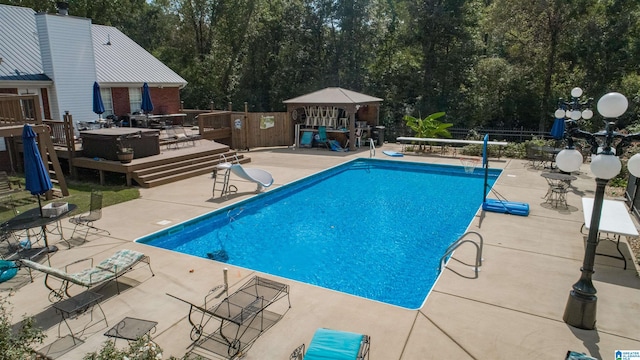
(107, 100)
(135, 100)
(28, 106)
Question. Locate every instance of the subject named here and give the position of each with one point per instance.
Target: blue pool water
(371, 228)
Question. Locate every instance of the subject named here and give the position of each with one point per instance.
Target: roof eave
(24, 83)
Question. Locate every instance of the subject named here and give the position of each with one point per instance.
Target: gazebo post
(352, 127)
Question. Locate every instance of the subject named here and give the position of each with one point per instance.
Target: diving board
(451, 141)
(404, 139)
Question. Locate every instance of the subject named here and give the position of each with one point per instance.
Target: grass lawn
(79, 194)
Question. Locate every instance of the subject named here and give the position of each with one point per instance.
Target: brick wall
(165, 100)
(120, 97)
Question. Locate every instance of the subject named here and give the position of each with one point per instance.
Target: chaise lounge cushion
(106, 270)
(334, 344)
(120, 260)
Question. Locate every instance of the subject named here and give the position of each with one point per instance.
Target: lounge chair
(322, 137)
(177, 135)
(244, 311)
(307, 139)
(107, 270)
(334, 344)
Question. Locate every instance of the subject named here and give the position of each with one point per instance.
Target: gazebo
(338, 101)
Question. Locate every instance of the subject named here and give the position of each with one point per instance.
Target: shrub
(16, 342)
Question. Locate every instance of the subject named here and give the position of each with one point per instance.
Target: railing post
(70, 136)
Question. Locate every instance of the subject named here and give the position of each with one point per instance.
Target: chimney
(63, 7)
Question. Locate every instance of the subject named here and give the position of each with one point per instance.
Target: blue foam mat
(506, 207)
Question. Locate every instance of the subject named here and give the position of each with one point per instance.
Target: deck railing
(215, 125)
(19, 110)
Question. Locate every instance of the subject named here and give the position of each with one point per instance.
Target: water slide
(258, 176)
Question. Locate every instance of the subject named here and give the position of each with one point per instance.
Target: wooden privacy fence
(244, 130)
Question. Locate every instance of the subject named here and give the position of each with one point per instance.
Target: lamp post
(580, 310)
(571, 112)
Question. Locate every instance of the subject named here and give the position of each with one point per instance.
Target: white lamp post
(580, 311)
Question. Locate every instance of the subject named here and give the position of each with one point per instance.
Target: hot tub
(103, 143)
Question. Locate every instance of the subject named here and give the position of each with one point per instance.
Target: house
(59, 57)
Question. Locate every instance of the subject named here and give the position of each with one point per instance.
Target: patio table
(614, 220)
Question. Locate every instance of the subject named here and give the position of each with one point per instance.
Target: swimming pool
(372, 228)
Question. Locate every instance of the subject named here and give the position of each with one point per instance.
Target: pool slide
(258, 176)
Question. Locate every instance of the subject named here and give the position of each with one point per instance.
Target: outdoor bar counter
(103, 143)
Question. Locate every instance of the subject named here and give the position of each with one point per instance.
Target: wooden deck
(172, 164)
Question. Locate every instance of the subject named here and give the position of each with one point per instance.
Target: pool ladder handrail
(233, 218)
(461, 240)
(372, 149)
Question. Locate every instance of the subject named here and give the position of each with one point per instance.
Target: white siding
(66, 48)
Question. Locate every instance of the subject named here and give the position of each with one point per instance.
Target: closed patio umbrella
(147, 105)
(36, 174)
(37, 179)
(557, 130)
(98, 105)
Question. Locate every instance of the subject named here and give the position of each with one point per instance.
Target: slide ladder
(479, 245)
(221, 174)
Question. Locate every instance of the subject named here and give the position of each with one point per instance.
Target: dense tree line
(486, 63)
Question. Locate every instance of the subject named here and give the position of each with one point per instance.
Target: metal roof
(333, 95)
(19, 48)
(123, 63)
(120, 60)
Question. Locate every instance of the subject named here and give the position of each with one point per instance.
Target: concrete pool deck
(512, 310)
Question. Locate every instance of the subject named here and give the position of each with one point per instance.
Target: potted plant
(125, 151)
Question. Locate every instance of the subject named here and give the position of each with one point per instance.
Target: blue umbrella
(35, 173)
(98, 105)
(557, 130)
(147, 105)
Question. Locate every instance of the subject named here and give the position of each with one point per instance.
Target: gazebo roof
(333, 95)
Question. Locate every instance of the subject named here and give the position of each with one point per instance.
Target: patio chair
(95, 214)
(334, 344)
(537, 158)
(180, 136)
(322, 137)
(107, 270)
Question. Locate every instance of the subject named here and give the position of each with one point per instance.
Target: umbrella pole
(40, 205)
(50, 249)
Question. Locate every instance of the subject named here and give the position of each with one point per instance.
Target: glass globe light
(576, 92)
(576, 114)
(587, 114)
(569, 160)
(605, 167)
(612, 105)
(633, 165)
(560, 114)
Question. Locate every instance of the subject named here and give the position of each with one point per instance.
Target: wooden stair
(183, 167)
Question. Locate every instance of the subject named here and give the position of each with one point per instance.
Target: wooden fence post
(70, 138)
